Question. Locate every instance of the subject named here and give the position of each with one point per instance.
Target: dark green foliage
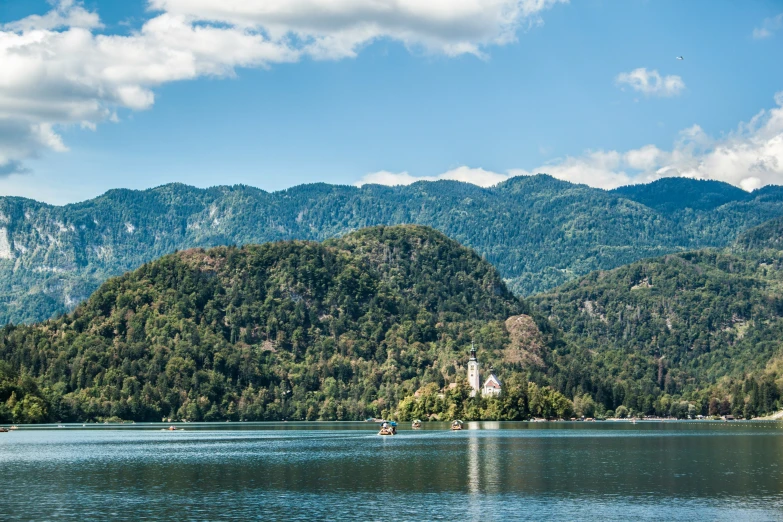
(676, 194)
(519, 400)
(295, 330)
(702, 327)
(539, 232)
(767, 235)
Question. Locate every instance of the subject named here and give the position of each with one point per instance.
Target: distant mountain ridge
(680, 193)
(538, 231)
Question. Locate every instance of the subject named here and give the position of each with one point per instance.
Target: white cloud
(651, 83)
(57, 71)
(75, 77)
(768, 27)
(392, 179)
(749, 158)
(595, 168)
(645, 158)
(339, 28)
(476, 176)
(64, 14)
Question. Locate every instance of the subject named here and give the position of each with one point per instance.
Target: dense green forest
(538, 231)
(378, 323)
(768, 235)
(704, 327)
(288, 330)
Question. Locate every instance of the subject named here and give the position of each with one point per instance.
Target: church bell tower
(473, 372)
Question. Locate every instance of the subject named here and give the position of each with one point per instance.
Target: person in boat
(388, 428)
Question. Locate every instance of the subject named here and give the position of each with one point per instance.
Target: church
(492, 385)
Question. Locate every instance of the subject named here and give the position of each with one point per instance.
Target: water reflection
(474, 478)
(490, 471)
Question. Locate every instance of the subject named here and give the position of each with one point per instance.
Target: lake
(316, 471)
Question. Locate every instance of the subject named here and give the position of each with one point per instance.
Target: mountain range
(378, 322)
(538, 231)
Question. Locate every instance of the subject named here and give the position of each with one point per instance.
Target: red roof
(492, 382)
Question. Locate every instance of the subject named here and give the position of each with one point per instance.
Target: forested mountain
(704, 326)
(538, 231)
(353, 327)
(677, 194)
(296, 330)
(768, 235)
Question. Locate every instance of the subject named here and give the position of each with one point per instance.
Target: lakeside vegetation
(378, 323)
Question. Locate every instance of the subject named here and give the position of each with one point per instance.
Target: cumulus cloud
(72, 76)
(651, 83)
(338, 28)
(750, 157)
(768, 27)
(64, 14)
(476, 176)
(57, 70)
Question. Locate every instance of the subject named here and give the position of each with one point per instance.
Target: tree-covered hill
(538, 231)
(704, 326)
(676, 194)
(768, 235)
(353, 327)
(299, 330)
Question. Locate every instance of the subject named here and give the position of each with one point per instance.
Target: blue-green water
(317, 471)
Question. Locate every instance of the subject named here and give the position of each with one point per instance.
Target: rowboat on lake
(388, 428)
(416, 424)
(456, 425)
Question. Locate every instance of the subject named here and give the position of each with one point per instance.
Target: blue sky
(551, 88)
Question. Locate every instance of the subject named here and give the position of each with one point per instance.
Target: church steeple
(473, 371)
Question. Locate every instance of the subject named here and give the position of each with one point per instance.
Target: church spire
(473, 371)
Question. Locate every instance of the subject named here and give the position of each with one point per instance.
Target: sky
(101, 94)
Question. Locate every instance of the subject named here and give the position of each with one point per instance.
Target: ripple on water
(612, 472)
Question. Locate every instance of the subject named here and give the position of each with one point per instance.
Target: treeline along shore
(379, 322)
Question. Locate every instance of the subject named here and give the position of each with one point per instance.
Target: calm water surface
(316, 471)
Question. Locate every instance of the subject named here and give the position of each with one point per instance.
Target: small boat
(170, 428)
(388, 428)
(456, 425)
(13, 428)
(416, 424)
(3, 430)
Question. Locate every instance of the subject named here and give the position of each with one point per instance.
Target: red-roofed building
(492, 385)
